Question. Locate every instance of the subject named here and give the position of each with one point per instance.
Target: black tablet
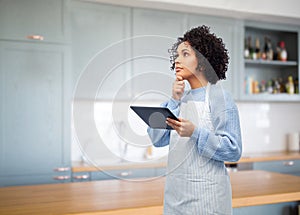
(154, 117)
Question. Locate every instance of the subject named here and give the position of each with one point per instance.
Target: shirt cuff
(173, 104)
(195, 134)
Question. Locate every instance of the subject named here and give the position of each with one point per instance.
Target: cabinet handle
(288, 163)
(61, 177)
(62, 169)
(125, 174)
(35, 37)
(81, 176)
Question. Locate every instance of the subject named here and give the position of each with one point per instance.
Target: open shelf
(262, 72)
(271, 63)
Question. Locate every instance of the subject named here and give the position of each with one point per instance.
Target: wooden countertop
(115, 165)
(246, 158)
(269, 156)
(121, 197)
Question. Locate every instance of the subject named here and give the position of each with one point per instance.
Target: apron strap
(207, 108)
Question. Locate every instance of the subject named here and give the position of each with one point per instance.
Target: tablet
(154, 117)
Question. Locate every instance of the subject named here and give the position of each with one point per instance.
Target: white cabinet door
(34, 112)
(228, 30)
(21, 19)
(155, 32)
(99, 50)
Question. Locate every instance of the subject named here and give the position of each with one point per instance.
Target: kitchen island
(143, 196)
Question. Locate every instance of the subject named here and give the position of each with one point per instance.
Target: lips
(178, 69)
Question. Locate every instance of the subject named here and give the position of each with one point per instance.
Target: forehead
(184, 45)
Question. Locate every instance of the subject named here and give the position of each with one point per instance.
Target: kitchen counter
(269, 156)
(121, 197)
(116, 165)
(246, 158)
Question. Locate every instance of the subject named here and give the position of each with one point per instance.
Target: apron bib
(195, 184)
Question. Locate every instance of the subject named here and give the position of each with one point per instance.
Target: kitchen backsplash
(264, 128)
(265, 125)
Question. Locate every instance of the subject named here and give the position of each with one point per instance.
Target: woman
(208, 130)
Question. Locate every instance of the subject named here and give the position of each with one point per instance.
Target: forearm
(222, 144)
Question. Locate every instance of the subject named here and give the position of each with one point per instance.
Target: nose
(177, 61)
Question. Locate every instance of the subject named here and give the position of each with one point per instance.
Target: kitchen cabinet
(34, 20)
(81, 176)
(100, 50)
(123, 174)
(286, 166)
(230, 32)
(154, 33)
(34, 113)
(274, 209)
(258, 75)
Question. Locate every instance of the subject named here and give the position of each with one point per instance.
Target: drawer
(285, 166)
(123, 174)
(34, 20)
(160, 172)
(81, 176)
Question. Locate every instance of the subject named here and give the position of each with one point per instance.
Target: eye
(185, 54)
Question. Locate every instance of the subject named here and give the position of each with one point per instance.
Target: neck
(197, 82)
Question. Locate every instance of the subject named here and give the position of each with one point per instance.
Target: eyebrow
(185, 49)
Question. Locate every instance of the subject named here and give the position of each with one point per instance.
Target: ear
(200, 68)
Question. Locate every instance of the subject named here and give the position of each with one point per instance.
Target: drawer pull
(62, 169)
(35, 37)
(81, 176)
(61, 177)
(125, 174)
(288, 163)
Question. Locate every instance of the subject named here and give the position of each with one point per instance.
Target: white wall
(265, 125)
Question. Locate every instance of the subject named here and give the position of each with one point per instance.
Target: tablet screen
(154, 117)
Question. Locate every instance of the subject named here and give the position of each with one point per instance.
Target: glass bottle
(296, 86)
(283, 52)
(251, 50)
(290, 85)
(264, 51)
(246, 50)
(282, 87)
(263, 86)
(270, 87)
(270, 50)
(257, 48)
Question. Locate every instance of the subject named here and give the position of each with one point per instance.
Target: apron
(195, 184)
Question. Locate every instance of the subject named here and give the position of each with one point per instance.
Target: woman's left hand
(183, 127)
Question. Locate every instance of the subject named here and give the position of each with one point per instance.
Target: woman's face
(186, 61)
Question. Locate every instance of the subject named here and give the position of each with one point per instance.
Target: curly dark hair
(208, 47)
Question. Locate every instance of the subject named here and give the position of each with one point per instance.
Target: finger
(174, 122)
(182, 120)
(179, 78)
(171, 125)
(179, 89)
(180, 82)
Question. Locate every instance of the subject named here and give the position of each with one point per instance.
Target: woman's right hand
(178, 88)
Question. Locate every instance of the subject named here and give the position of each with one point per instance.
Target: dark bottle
(246, 50)
(268, 49)
(257, 49)
(282, 86)
(251, 50)
(296, 83)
